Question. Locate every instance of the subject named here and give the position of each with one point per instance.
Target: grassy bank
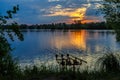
(107, 68)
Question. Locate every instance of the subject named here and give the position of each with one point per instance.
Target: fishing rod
(72, 58)
(78, 58)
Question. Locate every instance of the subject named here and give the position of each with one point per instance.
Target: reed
(109, 62)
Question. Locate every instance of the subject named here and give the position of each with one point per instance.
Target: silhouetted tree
(111, 9)
(8, 67)
(77, 23)
(12, 30)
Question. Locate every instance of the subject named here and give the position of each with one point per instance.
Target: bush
(109, 62)
(9, 69)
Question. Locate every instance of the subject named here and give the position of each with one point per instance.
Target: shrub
(109, 62)
(9, 68)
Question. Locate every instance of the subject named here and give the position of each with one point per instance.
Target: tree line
(98, 25)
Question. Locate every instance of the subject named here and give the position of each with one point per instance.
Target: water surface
(44, 44)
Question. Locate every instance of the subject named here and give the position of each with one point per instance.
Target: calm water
(45, 44)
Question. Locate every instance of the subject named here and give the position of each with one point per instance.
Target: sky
(53, 11)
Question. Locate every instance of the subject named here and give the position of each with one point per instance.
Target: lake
(44, 44)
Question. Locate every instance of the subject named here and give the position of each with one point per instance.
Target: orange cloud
(89, 21)
(78, 14)
(75, 14)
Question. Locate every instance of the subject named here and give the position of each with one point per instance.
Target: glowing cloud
(89, 21)
(78, 14)
(74, 14)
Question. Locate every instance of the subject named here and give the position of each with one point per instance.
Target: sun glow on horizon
(73, 14)
(78, 14)
(89, 21)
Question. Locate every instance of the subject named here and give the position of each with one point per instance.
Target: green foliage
(12, 72)
(13, 30)
(9, 69)
(109, 63)
(46, 73)
(111, 11)
(4, 46)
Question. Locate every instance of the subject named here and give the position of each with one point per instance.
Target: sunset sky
(53, 11)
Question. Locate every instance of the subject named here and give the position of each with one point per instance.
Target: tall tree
(111, 11)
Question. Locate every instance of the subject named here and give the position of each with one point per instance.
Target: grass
(108, 64)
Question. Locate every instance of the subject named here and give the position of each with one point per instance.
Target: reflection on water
(44, 45)
(75, 39)
(78, 39)
(86, 40)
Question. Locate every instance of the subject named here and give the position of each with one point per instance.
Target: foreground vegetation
(107, 67)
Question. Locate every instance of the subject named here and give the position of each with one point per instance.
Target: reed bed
(107, 67)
